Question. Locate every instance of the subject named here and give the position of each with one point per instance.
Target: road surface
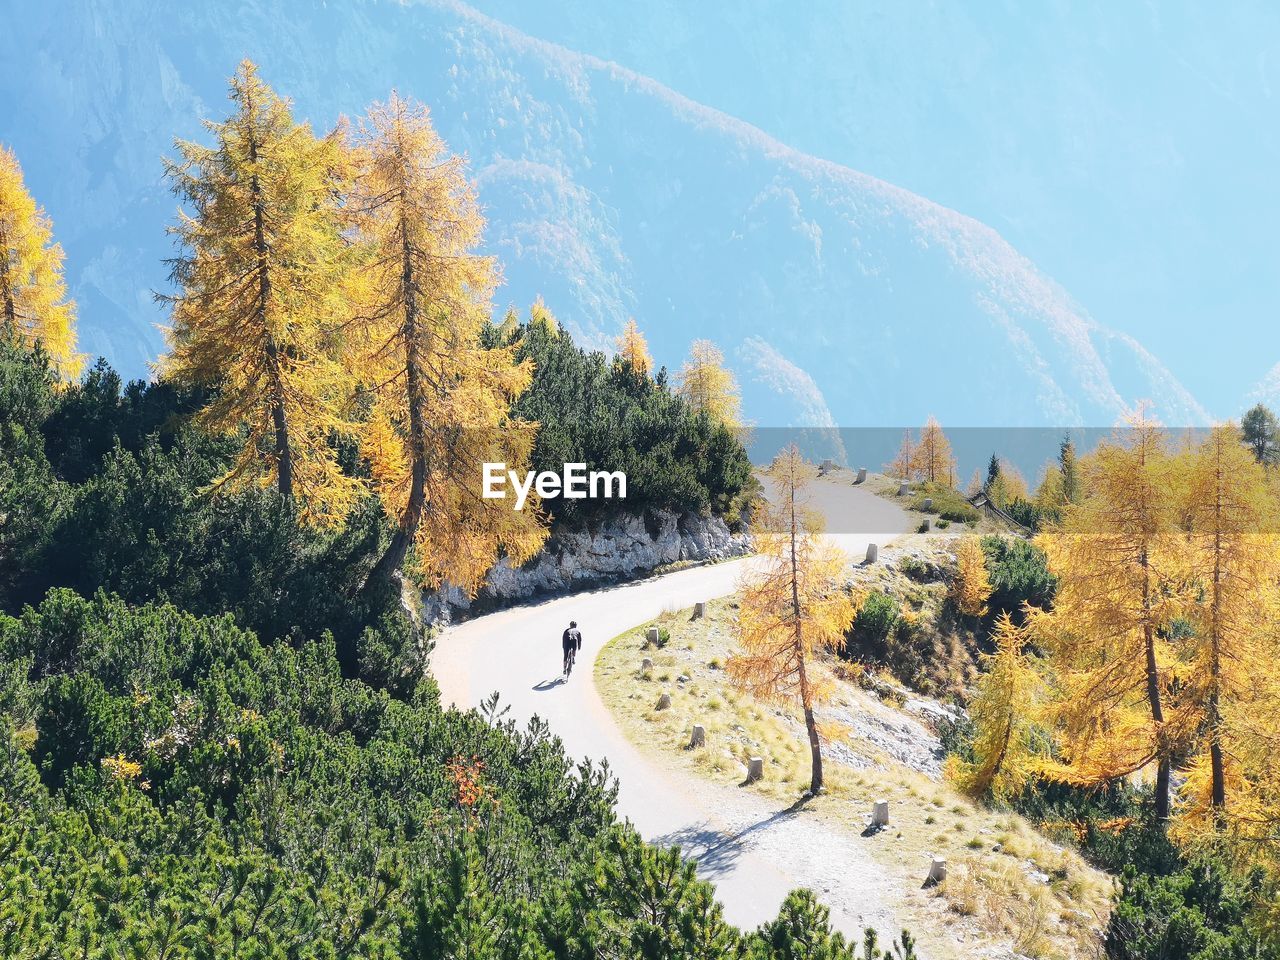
(750, 849)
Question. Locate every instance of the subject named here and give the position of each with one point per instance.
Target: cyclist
(571, 643)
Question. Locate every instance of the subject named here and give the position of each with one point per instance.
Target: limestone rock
(624, 546)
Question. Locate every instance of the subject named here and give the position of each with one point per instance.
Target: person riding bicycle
(571, 642)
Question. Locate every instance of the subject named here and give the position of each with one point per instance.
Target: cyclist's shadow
(546, 685)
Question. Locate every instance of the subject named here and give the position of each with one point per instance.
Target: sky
(1130, 149)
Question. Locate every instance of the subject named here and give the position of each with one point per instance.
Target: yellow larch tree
(260, 277)
(975, 484)
(509, 327)
(1248, 824)
(633, 349)
(1009, 485)
(1009, 741)
(902, 466)
(794, 606)
(540, 315)
(708, 386)
(440, 400)
(33, 294)
(971, 587)
(1234, 568)
(932, 460)
(1118, 556)
(1050, 496)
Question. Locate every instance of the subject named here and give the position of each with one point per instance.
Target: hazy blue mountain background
(1129, 149)
(838, 297)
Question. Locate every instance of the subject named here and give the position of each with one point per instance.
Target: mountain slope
(1266, 390)
(606, 192)
(1105, 141)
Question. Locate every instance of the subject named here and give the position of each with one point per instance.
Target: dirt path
(751, 849)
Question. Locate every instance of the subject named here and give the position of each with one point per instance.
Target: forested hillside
(173, 787)
(1116, 659)
(217, 734)
(672, 443)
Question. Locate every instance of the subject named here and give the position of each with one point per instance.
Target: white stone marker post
(937, 872)
(755, 769)
(699, 738)
(880, 814)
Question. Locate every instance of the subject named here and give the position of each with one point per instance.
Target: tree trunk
(1163, 765)
(6, 289)
(806, 695)
(994, 768)
(810, 723)
(1157, 716)
(1164, 779)
(279, 418)
(1217, 770)
(393, 558)
(815, 748)
(1219, 779)
(280, 421)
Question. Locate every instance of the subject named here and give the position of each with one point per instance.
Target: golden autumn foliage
(1118, 561)
(1247, 825)
(971, 587)
(633, 349)
(1009, 485)
(260, 295)
(1162, 645)
(540, 315)
(927, 458)
(902, 464)
(1008, 742)
(932, 460)
(794, 605)
(509, 325)
(440, 401)
(708, 386)
(33, 294)
(1234, 567)
(123, 770)
(1050, 496)
(328, 288)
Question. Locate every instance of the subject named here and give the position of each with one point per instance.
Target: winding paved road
(753, 852)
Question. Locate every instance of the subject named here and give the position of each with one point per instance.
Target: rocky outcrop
(624, 546)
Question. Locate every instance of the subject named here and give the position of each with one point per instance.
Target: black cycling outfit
(571, 643)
